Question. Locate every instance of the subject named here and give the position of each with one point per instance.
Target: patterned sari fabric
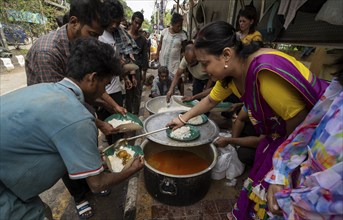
(316, 147)
(252, 201)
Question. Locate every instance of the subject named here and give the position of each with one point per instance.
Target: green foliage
(127, 10)
(167, 18)
(29, 15)
(35, 30)
(128, 14)
(146, 25)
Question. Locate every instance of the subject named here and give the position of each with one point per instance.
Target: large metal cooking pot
(155, 104)
(178, 190)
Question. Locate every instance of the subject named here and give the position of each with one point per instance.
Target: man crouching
(46, 131)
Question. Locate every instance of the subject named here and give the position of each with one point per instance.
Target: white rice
(171, 109)
(197, 120)
(181, 133)
(116, 162)
(115, 122)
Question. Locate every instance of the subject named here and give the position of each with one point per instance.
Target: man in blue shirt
(46, 131)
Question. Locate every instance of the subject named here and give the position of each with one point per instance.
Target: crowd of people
(76, 75)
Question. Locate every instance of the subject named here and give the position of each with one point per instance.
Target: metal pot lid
(208, 131)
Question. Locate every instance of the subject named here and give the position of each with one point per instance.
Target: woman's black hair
(88, 55)
(250, 13)
(214, 37)
(176, 18)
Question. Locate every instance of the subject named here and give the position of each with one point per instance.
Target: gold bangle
(181, 119)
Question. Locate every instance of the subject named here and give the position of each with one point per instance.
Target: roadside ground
(130, 200)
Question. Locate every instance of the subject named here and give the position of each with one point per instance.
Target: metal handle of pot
(125, 140)
(168, 186)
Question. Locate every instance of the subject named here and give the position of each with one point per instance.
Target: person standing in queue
(277, 90)
(46, 61)
(173, 39)
(133, 95)
(114, 89)
(42, 147)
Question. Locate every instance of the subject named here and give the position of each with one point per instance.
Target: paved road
(12, 80)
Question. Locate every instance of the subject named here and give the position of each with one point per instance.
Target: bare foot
(230, 216)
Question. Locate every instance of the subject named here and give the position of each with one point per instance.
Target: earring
(225, 66)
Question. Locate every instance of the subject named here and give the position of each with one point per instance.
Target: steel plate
(208, 131)
(155, 104)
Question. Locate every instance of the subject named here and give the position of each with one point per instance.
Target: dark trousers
(181, 86)
(247, 154)
(199, 85)
(133, 96)
(233, 99)
(77, 188)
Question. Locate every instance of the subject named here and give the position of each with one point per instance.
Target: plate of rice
(198, 120)
(116, 158)
(184, 133)
(178, 100)
(129, 122)
(172, 108)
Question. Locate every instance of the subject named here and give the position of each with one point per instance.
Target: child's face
(163, 76)
(177, 27)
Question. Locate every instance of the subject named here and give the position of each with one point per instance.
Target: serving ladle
(124, 141)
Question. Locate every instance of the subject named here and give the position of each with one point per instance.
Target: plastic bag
(228, 165)
(331, 12)
(154, 64)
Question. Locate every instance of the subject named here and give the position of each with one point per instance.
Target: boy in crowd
(162, 83)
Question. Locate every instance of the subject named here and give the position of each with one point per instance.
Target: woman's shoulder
(257, 33)
(260, 52)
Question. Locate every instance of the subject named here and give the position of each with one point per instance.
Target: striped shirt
(46, 60)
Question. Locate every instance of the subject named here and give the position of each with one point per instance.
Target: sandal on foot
(84, 210)
(103, 193)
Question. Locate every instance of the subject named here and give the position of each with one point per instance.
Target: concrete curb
(132, 188)
(15, 61)
(131, 197)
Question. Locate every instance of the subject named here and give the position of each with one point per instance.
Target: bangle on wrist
(181, 119)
